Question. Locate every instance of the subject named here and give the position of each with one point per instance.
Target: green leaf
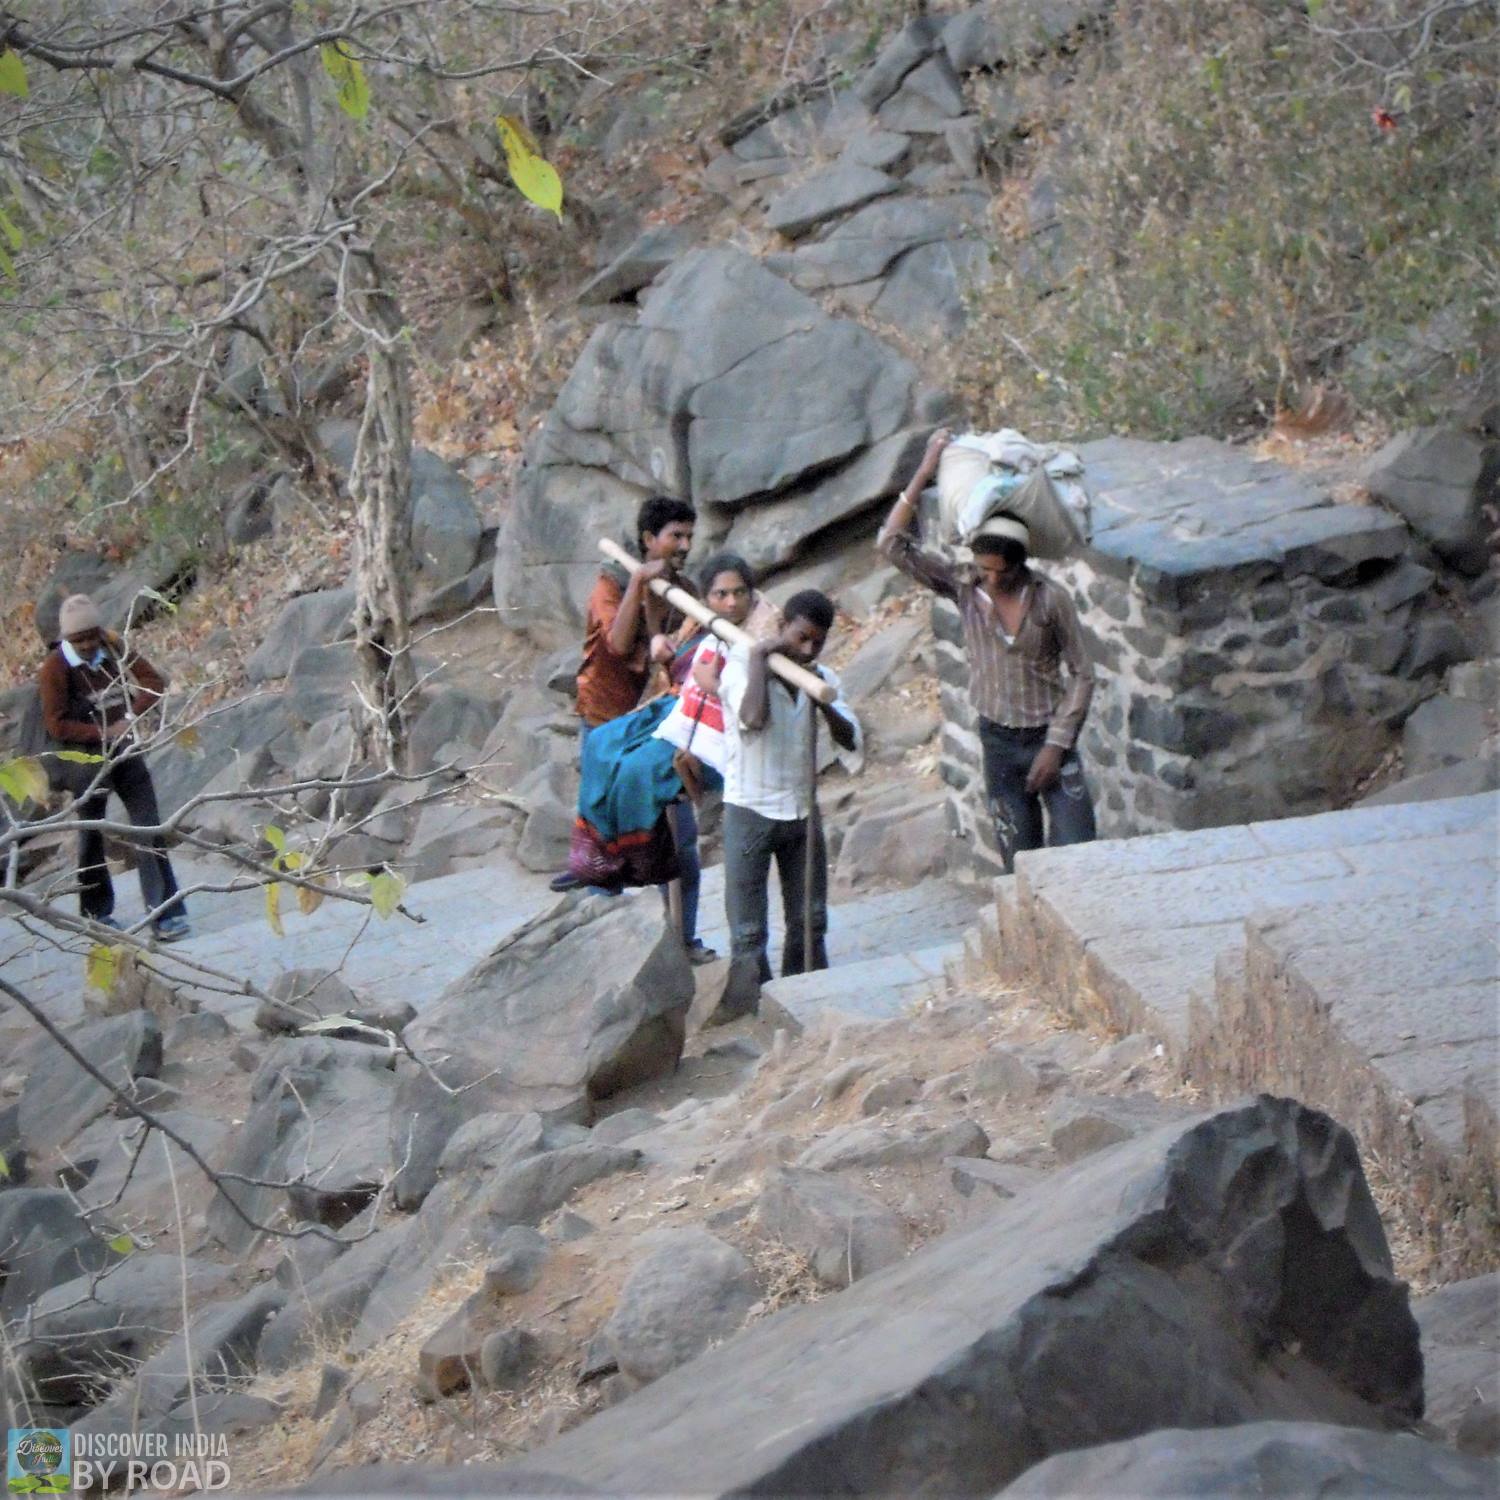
(1213, 67)
(349, 76)
(386, 891)
(274, 837)
(4, 1165)
(356, 879)
(80, 757)
(23, 779)
(13, 74)
(122, 1244)
(1313, 7)
(7, 265)
(17, 239)
(273, 908)
(103, 965)
(535, 177)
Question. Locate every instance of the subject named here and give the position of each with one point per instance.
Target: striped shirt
(765, 769)
(1017, 682)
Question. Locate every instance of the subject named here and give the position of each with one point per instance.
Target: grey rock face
(302, 995)
(1260, 1458)
(1241, 1256)
(639, 264)
(43, 1243)
(1440, 479)
(732, 388)
(318, 1120)
(689, 1291)
(308, 620)
(1081, 1124)
(825, 195)
(859, 1145)
(1460, 1326)
(844, 1233)
(605, 1010)
(79, 1333)
(59, 1098)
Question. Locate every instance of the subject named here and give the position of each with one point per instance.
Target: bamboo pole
(785, 668)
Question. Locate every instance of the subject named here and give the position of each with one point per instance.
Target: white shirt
(765, 770)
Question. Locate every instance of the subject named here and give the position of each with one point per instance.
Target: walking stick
(810, 852)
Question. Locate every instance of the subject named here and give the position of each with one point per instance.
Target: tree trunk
(380, 485)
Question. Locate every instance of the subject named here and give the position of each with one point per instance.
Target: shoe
(698, 953)
(173, 930)
(567, 881)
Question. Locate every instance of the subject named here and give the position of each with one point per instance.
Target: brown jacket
(79, 704)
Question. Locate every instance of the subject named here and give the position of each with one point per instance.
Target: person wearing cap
(93, 691)
(1030, 678)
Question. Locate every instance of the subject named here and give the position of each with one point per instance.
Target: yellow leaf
(122, 1244)
(386, 891)
(536, 177)
(80, 757)
(103, 965)
(309, 899)
(274, 837)
(4, 1165)
(23, 779)
(13, 74)
(273, 908)
(348, 74)
(187, 738)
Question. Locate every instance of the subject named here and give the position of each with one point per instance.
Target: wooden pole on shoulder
(782, 666)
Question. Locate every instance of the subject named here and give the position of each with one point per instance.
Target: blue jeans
(689, 866)
(1008, 754)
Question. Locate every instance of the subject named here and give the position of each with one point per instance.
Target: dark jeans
(130, 781)
(1008, 754)
(689, 866)
(751, 842)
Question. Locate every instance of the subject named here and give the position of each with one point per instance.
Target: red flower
(1384, 119)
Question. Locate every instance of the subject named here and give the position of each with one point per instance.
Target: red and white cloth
(696, 723)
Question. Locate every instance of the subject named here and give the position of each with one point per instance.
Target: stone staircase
(1348, 958)
(886, 951)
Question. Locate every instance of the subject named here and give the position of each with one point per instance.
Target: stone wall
(1257, 644)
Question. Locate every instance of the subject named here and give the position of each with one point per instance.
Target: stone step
(1350, 958)
(875, 989)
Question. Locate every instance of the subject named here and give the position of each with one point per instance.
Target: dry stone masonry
(1257, 644)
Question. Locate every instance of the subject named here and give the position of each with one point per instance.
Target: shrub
(1255, 196)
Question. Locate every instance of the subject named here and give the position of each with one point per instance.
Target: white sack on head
(980, 474)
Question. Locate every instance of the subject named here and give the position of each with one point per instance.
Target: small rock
(570, 1226)
(506, 1358)
(620, 1127)
(689, 1291)
(448, 1360)
(517, 1267)
(858, 1145)
(1082, 1124)
(894, 1092)
(1003, 1074)
(839, 1080)
(331, 1385)
(844, 1233)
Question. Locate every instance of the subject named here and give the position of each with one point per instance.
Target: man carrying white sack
(1021, 635)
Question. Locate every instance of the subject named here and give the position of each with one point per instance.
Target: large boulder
(228, 735)
(44, 1241)
(844, 1233)
(78, 1335)
(586, 999)
(1233, 1270)
(731, 387)
(1440, 479)
(60, 1097)
(318, 1124)
(1258, 1459)
(316, 619)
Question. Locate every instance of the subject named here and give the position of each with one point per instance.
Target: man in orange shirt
(627, 628)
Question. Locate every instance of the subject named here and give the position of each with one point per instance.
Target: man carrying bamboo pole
(626, 623)
(770, 809)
